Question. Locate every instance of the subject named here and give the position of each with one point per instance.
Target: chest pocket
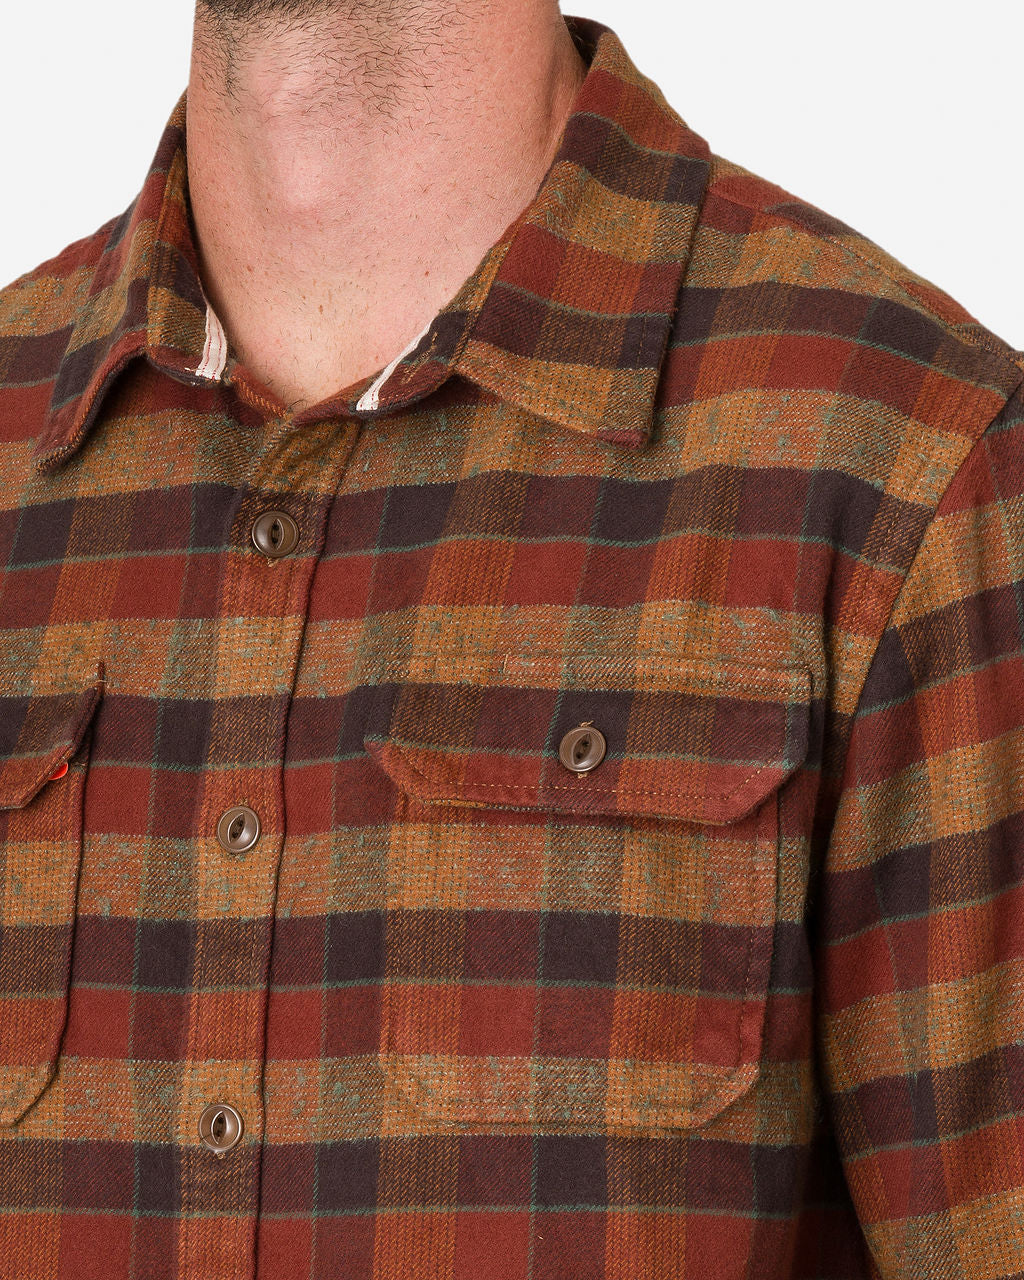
(598, 950)
(41, 735)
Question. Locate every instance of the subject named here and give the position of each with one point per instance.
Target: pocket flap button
(583, 749)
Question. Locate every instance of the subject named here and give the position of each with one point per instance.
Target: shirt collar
(567, 317)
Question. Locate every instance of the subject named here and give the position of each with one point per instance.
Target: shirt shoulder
(40, 312)
(56, 292)
(828, 345)
(818, 248)
(839, 388)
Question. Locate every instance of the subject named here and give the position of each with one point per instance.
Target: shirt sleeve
(919, 920)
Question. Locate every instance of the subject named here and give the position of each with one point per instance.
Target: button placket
(241, 819)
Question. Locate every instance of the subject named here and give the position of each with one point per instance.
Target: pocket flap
(702, 741)
(40, 853)
(38, 734)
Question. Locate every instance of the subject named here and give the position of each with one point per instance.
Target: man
(512, 708)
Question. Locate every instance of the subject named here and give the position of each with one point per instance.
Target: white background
(901, 117)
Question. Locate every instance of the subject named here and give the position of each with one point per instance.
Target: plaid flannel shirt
(687, 473)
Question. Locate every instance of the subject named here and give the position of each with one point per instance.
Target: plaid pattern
(683, 458)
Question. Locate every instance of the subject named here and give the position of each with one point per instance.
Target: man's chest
(467, 798)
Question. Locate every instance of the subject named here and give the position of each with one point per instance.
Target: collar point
(53, 446)
(46, 458)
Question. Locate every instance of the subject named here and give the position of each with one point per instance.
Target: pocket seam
(709, 1096)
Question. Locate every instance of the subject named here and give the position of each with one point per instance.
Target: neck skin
(348, 172)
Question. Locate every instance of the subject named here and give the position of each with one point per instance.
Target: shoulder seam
(933, 517)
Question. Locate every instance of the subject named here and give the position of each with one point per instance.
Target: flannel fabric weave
(684, 460)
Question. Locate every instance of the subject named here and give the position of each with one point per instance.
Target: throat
(306, 360)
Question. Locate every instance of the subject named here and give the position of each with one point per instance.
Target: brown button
(221, 1128)
(238, 830)
(275, 534)
(583, 749)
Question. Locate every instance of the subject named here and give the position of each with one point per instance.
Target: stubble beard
(382, 54)
(247, 13)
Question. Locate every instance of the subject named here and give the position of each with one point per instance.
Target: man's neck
(347, 173)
